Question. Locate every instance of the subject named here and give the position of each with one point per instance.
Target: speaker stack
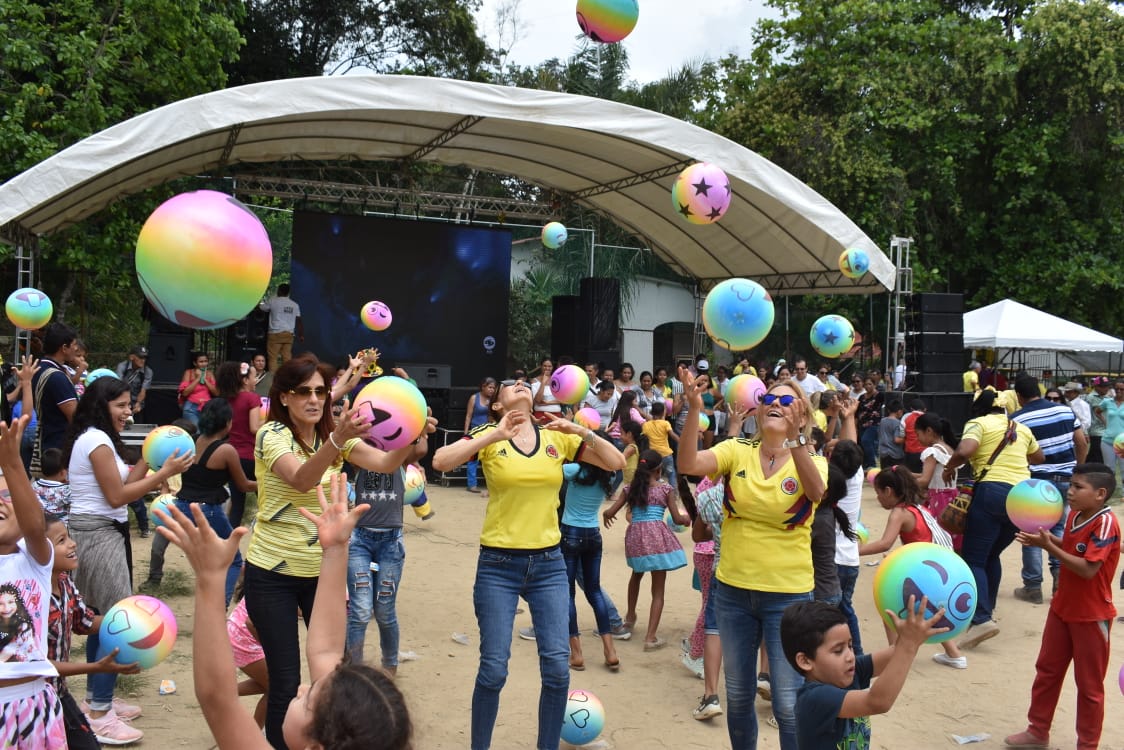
(934, 342)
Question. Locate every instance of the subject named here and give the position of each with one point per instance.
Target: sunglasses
(771, 398)
(823, 372)
(508, 382)
(304, 391)
(1053, 398)
(6, 496)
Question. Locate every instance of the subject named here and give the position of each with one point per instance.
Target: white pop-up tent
(1012, 325)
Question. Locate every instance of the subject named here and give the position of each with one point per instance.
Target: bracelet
(332, 440)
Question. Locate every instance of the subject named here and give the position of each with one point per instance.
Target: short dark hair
(803, 627)
(1026, 386)
(848, 456)
(57, 335)
(916, 404)
(51, 462)
(1100, 476)
(605, 385)
(893, 405)
(282, 290)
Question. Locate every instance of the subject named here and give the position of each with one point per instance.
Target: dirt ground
(649, 702)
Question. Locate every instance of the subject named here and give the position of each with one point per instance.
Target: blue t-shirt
(818, 726)
(583, 501)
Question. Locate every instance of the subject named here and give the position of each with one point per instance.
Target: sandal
(577, 666)
(654, 645)
(614, 666)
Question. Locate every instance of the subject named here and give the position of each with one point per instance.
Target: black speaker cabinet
(566, 335)
(610, 358)
(952, 406)
(932, 302)
(939, 382)
(169, 354)
(938, 343)
(601, 310)
(161, 405)
(955, 362)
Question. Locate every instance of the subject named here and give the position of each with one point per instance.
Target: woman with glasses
(520, 554)
(300, 447)
(773, 483)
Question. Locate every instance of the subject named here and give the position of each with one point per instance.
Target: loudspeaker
(931, 302)
(247, 336)
(610, 358)
(954, 363)
(927, 322)
(439, 377)
(943, 343)
(437, 399)
(940, 382)
(169, 354)
(565, 327)
(601, 310)
(161, 405)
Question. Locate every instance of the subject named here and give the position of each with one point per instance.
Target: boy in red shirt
(1081, 612)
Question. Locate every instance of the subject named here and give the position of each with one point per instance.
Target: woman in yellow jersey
(519, 549)
(298, 449)
(774, 482)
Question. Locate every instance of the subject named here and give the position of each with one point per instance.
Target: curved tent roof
(617, 159)
(1008, 324)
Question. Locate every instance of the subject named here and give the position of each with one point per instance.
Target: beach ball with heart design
(142, 627)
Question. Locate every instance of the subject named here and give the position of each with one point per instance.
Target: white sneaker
(527, 634)
(110, 730)
(708, 708)
(956, 662)
(695, 666)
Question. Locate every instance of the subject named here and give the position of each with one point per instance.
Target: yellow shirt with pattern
(522, 510)
(284, 541)
(767, 533)
(1011, 466)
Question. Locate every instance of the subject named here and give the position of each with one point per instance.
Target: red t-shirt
(241, 438)
(1089, 600)
(912, 444)
(920, 531)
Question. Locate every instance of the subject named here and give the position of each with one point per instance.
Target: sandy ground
(649, 702)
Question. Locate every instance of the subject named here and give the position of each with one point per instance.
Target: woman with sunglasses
(774, 482)
(299, 448)
(520, 554)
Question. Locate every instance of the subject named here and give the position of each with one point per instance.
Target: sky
(668, 34)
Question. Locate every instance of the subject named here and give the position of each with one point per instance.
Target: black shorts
(79, 736)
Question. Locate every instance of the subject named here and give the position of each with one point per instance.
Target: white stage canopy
(616, 159)
(1012, 325)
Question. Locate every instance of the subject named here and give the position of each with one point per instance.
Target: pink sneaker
(110, 730)
(125, 711)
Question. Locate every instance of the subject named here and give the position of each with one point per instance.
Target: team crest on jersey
(789, 486)
(1081, 547)
(552, 451)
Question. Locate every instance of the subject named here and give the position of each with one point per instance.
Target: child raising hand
(346, 703)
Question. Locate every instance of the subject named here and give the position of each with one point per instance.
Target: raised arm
(691, 460)
(29, 513)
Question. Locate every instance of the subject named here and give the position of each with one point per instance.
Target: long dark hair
(648, 464)
(625, 405)
(93, 411)
(835, 491)
(589, 475)
(288, 376)
(933, 421)
(900, 480)
(687, 497)
(229, 378)
(985, 404)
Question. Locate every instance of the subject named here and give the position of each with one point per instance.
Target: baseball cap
(139, 351)
(702, 365)
(1073, 386)
(1100, 380)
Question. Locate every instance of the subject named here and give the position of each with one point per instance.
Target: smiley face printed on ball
(738, 314)
(395, 409)
(569, 384)
(854, 262)
(745, 392)
(376, 316)
(143, 628)
(1035, 504)
(922, 569)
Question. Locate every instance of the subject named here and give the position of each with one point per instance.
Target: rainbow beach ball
(569, 384)
(607, 20)
(29, 308)
(1035, 504)
(854, 263)
(162, 503)
(871, 474)
(1118, 445)
(738, 314)
(415, 484)
(395, 409)
(745, 392)
(925, 569)
(162, 442)
(584, 718)
(704, 422)
(701, 193)
(376, 316)
(554, 235)
(142, 627)
(832, 336)
(588, 417)
(862, 532)
(203, 259)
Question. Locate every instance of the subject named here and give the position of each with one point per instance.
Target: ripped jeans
(374, 569)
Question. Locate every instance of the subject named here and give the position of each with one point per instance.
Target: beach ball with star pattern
(701, 193)
(832, 336)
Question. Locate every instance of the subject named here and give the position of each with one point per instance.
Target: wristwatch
(795, 442)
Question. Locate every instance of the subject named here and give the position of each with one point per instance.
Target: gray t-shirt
(887, 430)
(823, 553)
(385, 493)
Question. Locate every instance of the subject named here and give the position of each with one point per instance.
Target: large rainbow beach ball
(925, 569)
(162, 503)
(203, 259)
(1035, 504)
(745, 392)
(854, 262)
(569, 384)
(832, 335)
(29, 308)
(588, 417)
(415, 484)
(376, 316)
(142, 627)
(738, 314)
(607, 20)
(162, 442)
(396, 410)
(554, 235)
(701, 193)
(584, 718)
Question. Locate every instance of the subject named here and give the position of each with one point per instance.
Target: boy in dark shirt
(834, 704)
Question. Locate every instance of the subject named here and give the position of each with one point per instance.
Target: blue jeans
(581, 548)
(221, 524)
(470, 469)
(374, 556)
(745, 619)
(1032, 556)
(988, 532)
(667, 467)
(140, 510)
(540, 578)
(869, 442)
(191, 412)
(848, 576)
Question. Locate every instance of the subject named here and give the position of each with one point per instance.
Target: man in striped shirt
(1058, 432)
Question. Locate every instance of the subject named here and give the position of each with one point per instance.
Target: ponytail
(835, 491)
(648, 464)
(931, 421)
(901, 482)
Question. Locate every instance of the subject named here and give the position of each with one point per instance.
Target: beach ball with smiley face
(376, 316)
(395, 409)
(925, 569)
(142, 627)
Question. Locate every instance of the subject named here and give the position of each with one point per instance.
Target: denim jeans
(667, 468)
(848, 576)
(272, 603)
(191, 412)
(615, 620)
(988, 532)
(581, 548)
(374, 570)
(237, 496)
(1032, 556)
(869, 442)
(746, 619)
(219, 523)
(503, 577)
(140, 510)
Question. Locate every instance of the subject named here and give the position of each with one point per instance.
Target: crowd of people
(770, 492)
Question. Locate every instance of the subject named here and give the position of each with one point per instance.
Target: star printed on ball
(832, 336)
(701, 193)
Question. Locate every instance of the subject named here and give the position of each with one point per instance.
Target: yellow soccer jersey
(1010, 465)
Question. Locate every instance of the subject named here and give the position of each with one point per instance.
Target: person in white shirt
(808, 383)
(284, 326)
(1072, 393)
(605, 402)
